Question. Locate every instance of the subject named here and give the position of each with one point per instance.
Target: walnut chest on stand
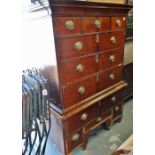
(85, 79)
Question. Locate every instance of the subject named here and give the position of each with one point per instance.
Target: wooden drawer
(111, 101)
(95, 24)
(117, 110)
(78, 25)
(111, 40)
(80, 90)
(78, 68)
(118, 23)
(75, 140)
(110, 77)
(111, 58)
(72, 47)
(83, 117)
(67, 25)
(97, 121)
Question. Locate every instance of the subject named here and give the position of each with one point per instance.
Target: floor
(102, 142)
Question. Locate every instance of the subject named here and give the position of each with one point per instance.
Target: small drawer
(95, 24)
(78, 68)
(83, 117)
(117, 110)
(75, 140)
(110, 77)
(80, 90)
(72, 47)
(98, 121)
(111, 58)
(118, 23)
(67, 25)
(111, 40)
(111, 101)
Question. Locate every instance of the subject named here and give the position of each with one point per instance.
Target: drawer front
(75, 140)
(72, 47)
(83, 117)
(80, 90)
(118, 23)
(117, 110)
(111, 101)
(111, 58)
(111, 40)
(73, 70)
(95, 24)
(97, 121)
(110, 77)
(67, 25)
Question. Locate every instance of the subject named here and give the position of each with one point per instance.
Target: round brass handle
(117, 108)
(75, 137)
(99, 119)
(81, 90)
(97, 24)
(111, 76)
(69, 24)
(80, 68)
(84, 116)
(113, 40)
(118, 23)
(112, 58)
(78, 45)
(113, 99)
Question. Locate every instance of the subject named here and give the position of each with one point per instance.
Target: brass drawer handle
(75, 137)
(80, 68)
(111, 76)
(113, 99)
(113, 40)
(84, 116)
(99, 119)
(97, 24)
(112, 58)
(118, 23)
(69, 24)
(117, 108)
(81, 90)
(78, 45)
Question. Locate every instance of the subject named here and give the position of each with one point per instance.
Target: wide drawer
(72, 47)
(75, 139)
(118, 23)
(111, 101)
(111, 58)
(110, 77)
(77, 121)
(80, 90)
(77, 25)
(98, 121)
(78, 68)
(111, 40)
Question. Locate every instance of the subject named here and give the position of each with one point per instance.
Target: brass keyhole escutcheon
(99, 119)
(69, 24)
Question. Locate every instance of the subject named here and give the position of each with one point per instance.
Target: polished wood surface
(89, 44)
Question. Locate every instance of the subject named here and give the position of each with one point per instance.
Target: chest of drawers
(85, 80)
